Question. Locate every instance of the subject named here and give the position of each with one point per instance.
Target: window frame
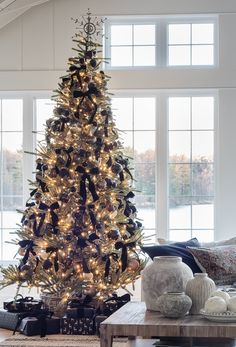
(148, 94)
(161, 136)
(161, 165)
(196, 20)
(161, 47)
(107, 41)
(198, 93)
(28, 144)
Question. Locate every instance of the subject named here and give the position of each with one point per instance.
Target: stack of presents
(82, 317)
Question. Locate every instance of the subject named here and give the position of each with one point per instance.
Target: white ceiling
(11, 9)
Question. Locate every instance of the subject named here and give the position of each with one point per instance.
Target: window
(161, 42)
(191, 167)
(139, 139)
(17, 123)
(44, 109)
(133, 45)
(11, 188)
(171, 139)
(191, 44)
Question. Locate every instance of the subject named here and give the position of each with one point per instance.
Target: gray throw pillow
(218, 262)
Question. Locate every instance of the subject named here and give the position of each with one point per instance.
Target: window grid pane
(139, 142)
(144, 35)
(44, 110)
(191, 184)
(11, 162)
(121, 35)
(203, 33)
(191, 44)
(133, 45)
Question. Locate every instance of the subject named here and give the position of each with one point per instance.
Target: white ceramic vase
(165, 274)
(199, 289)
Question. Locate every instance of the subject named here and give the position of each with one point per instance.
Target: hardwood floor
(4, 333)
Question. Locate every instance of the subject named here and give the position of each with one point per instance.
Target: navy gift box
(79, 326)
(9, 320)
(80, 312)
(31, 326)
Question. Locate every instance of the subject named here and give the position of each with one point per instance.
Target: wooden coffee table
(133, 320)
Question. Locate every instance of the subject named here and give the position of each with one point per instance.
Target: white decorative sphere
(232, 304)
(221, 294)
(215, 304)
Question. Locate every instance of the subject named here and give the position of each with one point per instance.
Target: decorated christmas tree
(79, 232)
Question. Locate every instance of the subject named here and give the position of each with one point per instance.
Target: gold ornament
(133, 264)
(88, 276)
(21, 252)
(90, 291)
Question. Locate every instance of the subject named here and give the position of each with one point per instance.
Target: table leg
(106, 338)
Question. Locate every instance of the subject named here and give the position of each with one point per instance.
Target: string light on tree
(79, 232)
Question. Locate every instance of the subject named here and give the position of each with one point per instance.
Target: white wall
(226, 202)
(34, 49)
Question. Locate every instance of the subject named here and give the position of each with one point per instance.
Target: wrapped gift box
(112, 304)
(77, 326)
(80, 312)
(110, 307)
(21, 304)
(83, 316)
(9, 320)
(31, 326)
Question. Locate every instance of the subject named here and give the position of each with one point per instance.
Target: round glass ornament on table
(165, 274)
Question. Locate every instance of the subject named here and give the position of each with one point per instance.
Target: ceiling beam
(11, 9)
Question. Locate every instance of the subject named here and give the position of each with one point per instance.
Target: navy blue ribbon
(56, 262)
(51, 208)
(29, 248)
(88, 94)
(98, 147)
(33, 218)
(92, 215)
(129, 209)
(76, 72)
(30, 204)
(68, 152)
(109, 162)
(107, 266)
(85, 267)
(63, 122)
(91, 186)
(121, 174)
(42, 185)
(124, 254)
(81, 214)
(107, 259)
(33, 192)
(44, 207)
